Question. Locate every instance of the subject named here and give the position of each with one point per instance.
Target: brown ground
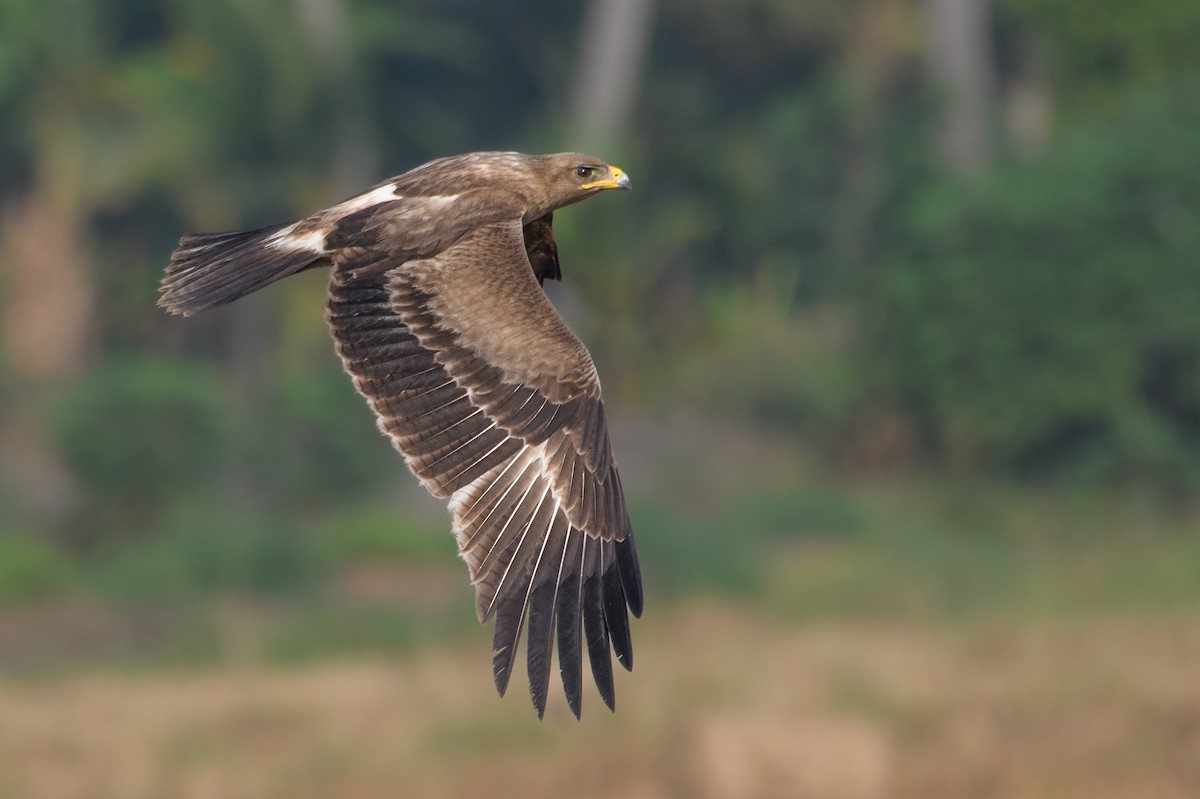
(721, 705)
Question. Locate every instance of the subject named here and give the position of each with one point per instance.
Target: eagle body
(436, 309)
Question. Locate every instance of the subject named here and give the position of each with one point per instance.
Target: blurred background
(900, 338)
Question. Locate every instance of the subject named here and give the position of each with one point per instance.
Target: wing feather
(543, 604)
(507, 423)
(569, 621)
(595, 630)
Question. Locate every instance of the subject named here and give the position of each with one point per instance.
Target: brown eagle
(437, 312)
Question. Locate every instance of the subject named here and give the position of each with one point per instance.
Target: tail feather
(211, 269)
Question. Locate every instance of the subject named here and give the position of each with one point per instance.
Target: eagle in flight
(436, 309)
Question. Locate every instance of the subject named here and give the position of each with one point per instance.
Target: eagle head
(570, 177)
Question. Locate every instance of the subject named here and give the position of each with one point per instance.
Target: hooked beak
(617, 179)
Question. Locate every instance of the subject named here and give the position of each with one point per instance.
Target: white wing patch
(377, 195)
(287, 239)
(308, 235)
(413, 206)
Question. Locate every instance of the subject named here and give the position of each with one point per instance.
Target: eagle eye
(585, 172)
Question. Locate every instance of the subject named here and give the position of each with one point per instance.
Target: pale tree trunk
(46, 320)
(614, 37)
(355, 157)
(960, 54)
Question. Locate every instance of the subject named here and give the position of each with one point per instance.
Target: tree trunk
(46, 321)
(960, 54)
(355, 156)
(614, 38)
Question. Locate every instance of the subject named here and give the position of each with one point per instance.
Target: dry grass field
(722, 704)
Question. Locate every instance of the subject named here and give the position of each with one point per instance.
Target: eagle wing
(496, 406)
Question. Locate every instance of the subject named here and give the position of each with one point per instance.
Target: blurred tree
(613, 43)
(787, 199)
(326, 23)
(960, 53)
(1046, 320)
(139, 436)
(47, 72)
(1102, 51)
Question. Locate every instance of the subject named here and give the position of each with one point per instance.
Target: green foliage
(798, 381)
(31, 568)
(750, 175)
(142, 431)
(724, 551)
(378, 534)
(788, 257)
(941, 550)
(1045, 318)
(322, 629)
(328, 629)
(954, 551)
(316, 443)
(1101, 50)
(202, 554)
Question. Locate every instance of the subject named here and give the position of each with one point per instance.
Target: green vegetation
(376, 535)
(139, 434)
(31, 569)
(921, 552)
(1045, 319)
(800, 257)
(209, 554)
(900, 344)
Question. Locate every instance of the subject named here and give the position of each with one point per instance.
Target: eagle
(436, 309)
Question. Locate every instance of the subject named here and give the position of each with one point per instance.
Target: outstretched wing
(496, 406)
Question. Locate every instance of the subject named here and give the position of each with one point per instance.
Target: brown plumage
(436, 310)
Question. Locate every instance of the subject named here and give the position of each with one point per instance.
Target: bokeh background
(900, 334)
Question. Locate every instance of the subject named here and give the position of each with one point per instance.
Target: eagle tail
(211, 269)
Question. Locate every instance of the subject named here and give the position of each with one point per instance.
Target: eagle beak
(617, 179)
(620, 179)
